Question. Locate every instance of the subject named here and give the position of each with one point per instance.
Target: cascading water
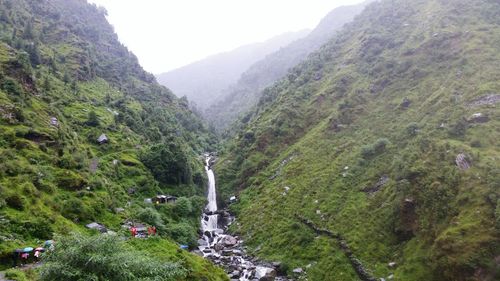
(223, 249)
(209, 223)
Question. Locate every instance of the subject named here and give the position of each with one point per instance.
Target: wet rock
(265, 273)
(227, 252)
(202, 242)
(229, 241)
(235, 274)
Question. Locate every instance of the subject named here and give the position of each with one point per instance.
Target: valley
(364, 149)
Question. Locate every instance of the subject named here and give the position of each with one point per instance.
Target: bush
(74, 209)
(458, 129)
(183, 233)
(103, 257)
(12, 87)
(69, 180)
(15, 274)
(151, 217)
(376, 148)
(183, 207)
(412, 129)
(15, 202)
(92, 119)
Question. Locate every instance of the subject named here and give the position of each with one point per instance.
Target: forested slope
(65, 80)
(387, 137)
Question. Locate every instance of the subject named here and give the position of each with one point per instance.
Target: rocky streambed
(229, 252)
(226, 250)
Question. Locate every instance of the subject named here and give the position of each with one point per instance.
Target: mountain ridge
(202, 81)
(244, 94)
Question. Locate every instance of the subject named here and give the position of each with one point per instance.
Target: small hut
(163, 199)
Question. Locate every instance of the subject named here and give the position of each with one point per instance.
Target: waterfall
(210, 222)
(224, 249)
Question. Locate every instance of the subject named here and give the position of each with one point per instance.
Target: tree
(28, 31)
(46, 84)
(168, 163)
(151, 217)
(103, 258)
(183, 207)
(92, 119)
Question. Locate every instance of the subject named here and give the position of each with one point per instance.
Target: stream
(225, 250)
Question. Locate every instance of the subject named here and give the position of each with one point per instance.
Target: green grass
(332, 126)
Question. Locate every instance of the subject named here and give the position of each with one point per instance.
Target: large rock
(298, 270)
(462, 161)
(265, 273)
(229, 241)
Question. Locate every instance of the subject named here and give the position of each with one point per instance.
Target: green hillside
(245, 93)
(64, 81)
(365, 140)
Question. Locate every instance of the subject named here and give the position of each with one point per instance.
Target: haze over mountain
(201, 82)
(240, 97)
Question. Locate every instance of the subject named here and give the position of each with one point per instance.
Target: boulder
(405, 103)
(229, 241)
(265, 273)
(298, 270)
(462, 161)
(478, 118)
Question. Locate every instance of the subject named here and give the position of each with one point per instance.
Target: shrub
(69, 180)
(151, 217)
(376, 148)
(15, 274)
(12, 87)
(92, 119)
(74, 209)
(183, 207)
(103, 257)
(15, 202)
(458, 129)
(183, 233)
(412, 129)
(476, 143)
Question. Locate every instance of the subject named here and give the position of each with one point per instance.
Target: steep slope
(202, 82)
(64, 81)
(239, 98)
(387, 137)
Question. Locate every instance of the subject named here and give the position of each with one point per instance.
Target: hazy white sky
(166, 34)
